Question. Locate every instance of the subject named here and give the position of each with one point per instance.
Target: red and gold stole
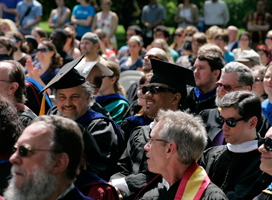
(193, 183)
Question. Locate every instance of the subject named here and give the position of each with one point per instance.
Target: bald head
(157, 52)
(232, 32)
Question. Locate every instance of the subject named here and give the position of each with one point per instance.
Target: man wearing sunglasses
(46, 160)
(166, 90)
(172, 153)
(265, 148)
(207, 70)
(235, 167)
(235, 76)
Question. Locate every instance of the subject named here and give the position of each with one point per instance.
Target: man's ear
(253, 122)
(61, 163)
(176, 98)
(13, 87)
(216, 73)
(172, 148)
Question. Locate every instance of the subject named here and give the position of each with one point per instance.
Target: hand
(33, 71)
(25, 27)
(5, 8)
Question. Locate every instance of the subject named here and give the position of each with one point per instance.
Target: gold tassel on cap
(42, 110)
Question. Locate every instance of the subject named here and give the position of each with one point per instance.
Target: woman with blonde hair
(70, 45)
(178, 40)
(210, 33)
(7, 25)
(111, 94)
(47, 65)
(161, 44)
(107, 21)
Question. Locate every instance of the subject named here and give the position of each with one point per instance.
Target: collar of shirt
(244, 147)
(165, 184)
(72, 186)
(153, 124)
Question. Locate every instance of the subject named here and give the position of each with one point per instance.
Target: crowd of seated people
(195, 124)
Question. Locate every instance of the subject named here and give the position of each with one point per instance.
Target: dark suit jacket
(213, 128)
(236, 44)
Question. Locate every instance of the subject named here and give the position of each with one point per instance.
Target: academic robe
(195, 106)
(75, 194)
(237, 174)
(264, 196)
(157, 191)
(132, 122)
(109, 138)
(133, 109)
(132, 165)
(213, 128)
(26, 117)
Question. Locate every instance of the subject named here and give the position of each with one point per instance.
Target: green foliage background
(239, 9)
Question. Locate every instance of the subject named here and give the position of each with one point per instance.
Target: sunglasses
(270, 38)
(24, 150)
(43, 50)
(189, 34)
(178, 34)
(258, 80)
(267, 143)
(154, 89)
(231, 122)
(152, 57)
(227, 88)
(69, 36)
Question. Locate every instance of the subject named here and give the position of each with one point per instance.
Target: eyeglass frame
(258, 80)
(152, 57)
(28, 149)
(150, 140)
(162, 89)
(227, 90)
(227, 121)
(43, 50)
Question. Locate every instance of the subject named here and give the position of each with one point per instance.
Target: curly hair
(10, 126)
(56, 60)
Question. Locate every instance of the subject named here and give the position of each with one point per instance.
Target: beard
(73, 116)
(217, 100)
(40, 184)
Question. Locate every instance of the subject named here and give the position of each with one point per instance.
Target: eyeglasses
(24, 150)
(150, 140)
(231, 122)
(69, 36)
(43, 50)
(178, 34)
(268, 38)
(154, 89)
(267, 143)
(258, 80)
(5, 81)
(189, 34)
(152, 57)
(227, 88)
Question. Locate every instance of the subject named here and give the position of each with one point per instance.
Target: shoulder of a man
(213, 192)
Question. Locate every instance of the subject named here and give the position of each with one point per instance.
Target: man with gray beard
(235, 76)
(46, 161)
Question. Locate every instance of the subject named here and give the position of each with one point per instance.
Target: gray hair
(88, 90)
(65, 134)
(244, 73)
(187, 131)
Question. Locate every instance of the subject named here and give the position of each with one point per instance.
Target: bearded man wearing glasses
(235, 167)
(167, 91)
(235, 76)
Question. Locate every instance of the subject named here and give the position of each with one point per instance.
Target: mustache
(69, 107)
(17, 169)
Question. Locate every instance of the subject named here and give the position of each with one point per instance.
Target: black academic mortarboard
(67, 77)
(172, 75)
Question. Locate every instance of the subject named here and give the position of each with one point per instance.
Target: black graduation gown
(213, 128)
(26, 117)
(263, 196)
(104, 134)
(157, 191)
(237, 174)
(75, 194)
(192, 103)
(132, 165)
(133, 109)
